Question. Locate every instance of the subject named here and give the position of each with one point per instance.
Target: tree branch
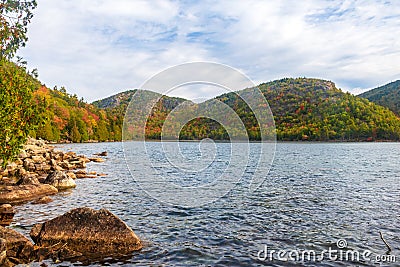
(384, 241)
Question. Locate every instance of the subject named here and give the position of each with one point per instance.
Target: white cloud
(99, 47)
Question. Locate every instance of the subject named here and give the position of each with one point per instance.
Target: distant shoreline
(227, 141)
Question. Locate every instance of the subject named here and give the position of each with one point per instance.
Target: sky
(97, 48)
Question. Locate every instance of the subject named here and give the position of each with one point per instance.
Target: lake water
(314, 195)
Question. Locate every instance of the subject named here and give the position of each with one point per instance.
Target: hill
(117, 105)
(387, 95)
(118, 100)
(314, 109)
(303, 108)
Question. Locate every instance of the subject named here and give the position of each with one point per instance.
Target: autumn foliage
(18, 116)
(67, 118)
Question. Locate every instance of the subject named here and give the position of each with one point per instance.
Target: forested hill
(314, 109)
(303, 108)
(123, 99)
(118, 100)
(116, 106)
(67, 118)
(387, 95)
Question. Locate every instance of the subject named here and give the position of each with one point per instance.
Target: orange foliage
(42, 92)
(85, 116)
(62, 112)
(59, 122)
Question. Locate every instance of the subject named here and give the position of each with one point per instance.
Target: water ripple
(315, 194)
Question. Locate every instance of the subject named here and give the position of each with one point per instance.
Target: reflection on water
(315, 194)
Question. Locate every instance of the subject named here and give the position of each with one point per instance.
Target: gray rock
(42, 167)
(12, 168)
(60, 180)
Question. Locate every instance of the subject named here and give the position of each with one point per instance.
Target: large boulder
(19, 250)
(87, 232)
(60, 180)
(24, 193)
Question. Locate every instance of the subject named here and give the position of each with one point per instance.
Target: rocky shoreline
(39, 172)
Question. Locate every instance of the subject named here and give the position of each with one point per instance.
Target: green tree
(18, 116)
(48, 131)
(101, 131)
(14, 18)
(82, 128)
(17, 112)
(75, 134)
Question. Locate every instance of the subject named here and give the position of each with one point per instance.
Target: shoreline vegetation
(244, 141)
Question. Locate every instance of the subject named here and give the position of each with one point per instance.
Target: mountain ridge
(303, 108)
(387, 95)
(115, 100)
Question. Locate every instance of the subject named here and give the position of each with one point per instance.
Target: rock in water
(6, 214)
(88, 232)
(60, 180)
(98, 160)
(19, 249)
(43, 200)
(24, 193)
(102, 154)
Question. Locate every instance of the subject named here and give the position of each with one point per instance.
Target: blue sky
(96, 48)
